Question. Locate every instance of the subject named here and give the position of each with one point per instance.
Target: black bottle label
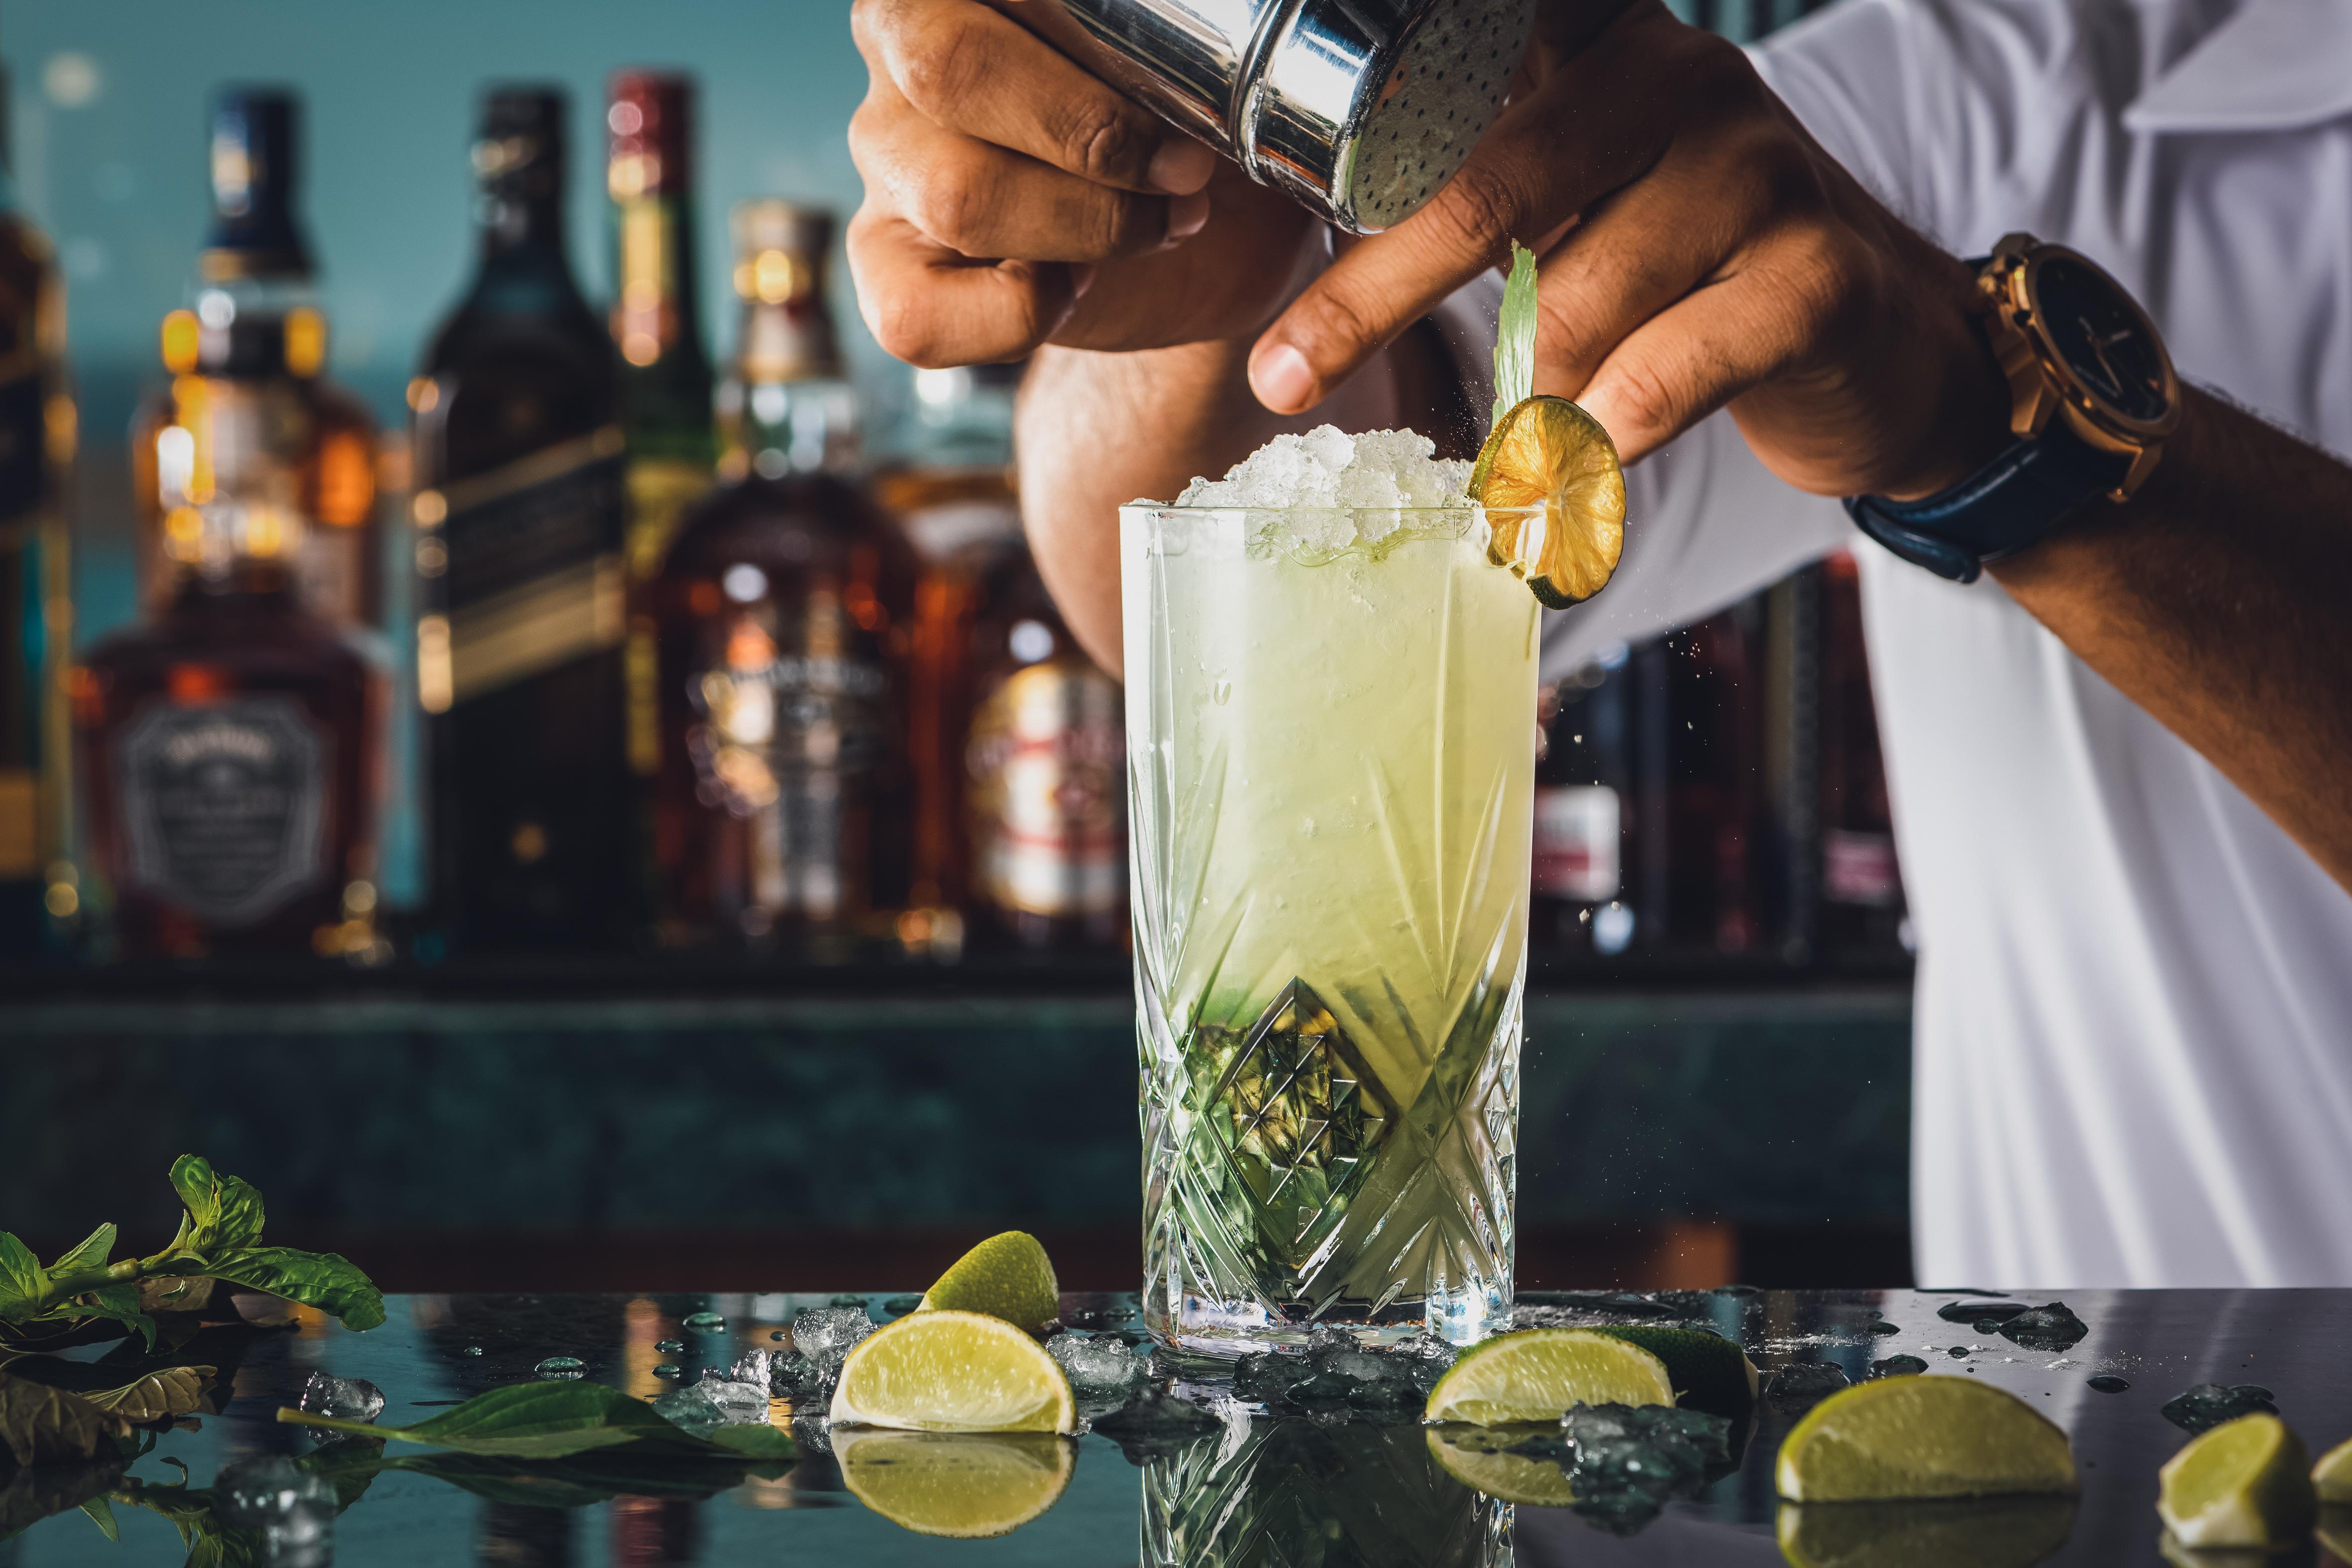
(22, 441)
(531, 571)
(224, 806)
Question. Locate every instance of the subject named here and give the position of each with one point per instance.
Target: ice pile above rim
(1369, 474)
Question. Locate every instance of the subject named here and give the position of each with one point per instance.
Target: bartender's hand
(1012, 200)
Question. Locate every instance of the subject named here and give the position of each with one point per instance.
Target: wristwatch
(2092, 398)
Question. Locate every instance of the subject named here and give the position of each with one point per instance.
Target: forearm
(2216, 599)
(1098, 430)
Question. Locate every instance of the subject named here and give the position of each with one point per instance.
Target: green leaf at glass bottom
(525, 1421)
(326, 1280)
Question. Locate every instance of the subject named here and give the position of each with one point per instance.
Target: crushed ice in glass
(563, 1368)
(1338, 489)
(2049, 1327)
(1804, 1383)
(2209, 1403)
(345, 1398)
(293, 1508)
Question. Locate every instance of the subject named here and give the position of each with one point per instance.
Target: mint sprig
(1514, 336)
(219, 1238)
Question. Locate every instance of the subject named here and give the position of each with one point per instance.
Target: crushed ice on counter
(1338, 489)
(345, 1398)
(822, 1338)
(1102, 1372)
(1340, 1378)
(715, 1401)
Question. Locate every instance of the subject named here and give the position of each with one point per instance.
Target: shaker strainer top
(1361, 109)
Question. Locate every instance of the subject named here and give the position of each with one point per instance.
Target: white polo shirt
(2134, 1035)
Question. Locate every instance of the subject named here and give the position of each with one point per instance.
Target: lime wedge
(1922, 1437)
(1708, 1372)
(2334, 1530)
(1959, 1532)
(1477, 1456)
(2332, 1476)
(1536, 1375)
(966, 1485)
(953, 1371)
(2243, 1483)
(1547, 452)
(1007, 1276)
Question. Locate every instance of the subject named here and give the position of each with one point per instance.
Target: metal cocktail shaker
(1361, 109)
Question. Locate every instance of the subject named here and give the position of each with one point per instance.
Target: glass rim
(1464, 509)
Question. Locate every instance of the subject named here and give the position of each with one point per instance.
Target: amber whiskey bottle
(230, 751)
(779, 615)
(247, 405)
(39, 896)
(521, 519)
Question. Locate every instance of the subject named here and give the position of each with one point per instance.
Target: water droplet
(848, 1301)
(671, 1370)
(704, 1322)
(1959, 1352)
(778, 1334)
(1221, 690)
(472, 1350)
(669, 1347)
(2108, 1382)
(563, 1368)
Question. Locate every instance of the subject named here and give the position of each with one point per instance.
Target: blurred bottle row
(691, 672)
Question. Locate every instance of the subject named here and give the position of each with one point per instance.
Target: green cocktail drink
(1331, 754)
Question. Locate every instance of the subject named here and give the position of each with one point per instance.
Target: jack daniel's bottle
(520, 518)
(230, 751)
(247, 410)
(39, 891)
(779, 615)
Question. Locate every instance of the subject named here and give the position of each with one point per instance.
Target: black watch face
(2098, 334)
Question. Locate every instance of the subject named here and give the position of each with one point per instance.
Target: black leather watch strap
(2020, 498)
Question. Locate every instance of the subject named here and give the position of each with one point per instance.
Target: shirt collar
(2276, 65)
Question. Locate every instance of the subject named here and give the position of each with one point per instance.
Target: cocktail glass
(1331, 761)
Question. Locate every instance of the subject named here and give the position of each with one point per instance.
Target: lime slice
(1922, 1437)
(1477, 1456)
(967, 1485)
(1708, 1372)
(1006, 1277)
(1547, 452)
(2332, 1476)
(1971, 1532)
(953, 1371)
(1536, 1375)
(2243, 1483)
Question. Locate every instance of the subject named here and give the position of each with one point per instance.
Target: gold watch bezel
(2042, 385)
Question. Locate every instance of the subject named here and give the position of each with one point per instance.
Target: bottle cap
(650, 120)
(253, 232)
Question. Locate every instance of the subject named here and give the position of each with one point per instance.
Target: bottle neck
(527, 226)
(658, 326)
(251, 326)
(774, 428)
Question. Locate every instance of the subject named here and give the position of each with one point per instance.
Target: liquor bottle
(1861, 912)
(1046, 761)
(39, 897)
(521, 519)
(656, 327)
(1583, 780)
(246, 402)
(955, 499)
(779, 618)
(230, 749)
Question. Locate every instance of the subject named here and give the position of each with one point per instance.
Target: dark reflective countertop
(1298, 1490)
